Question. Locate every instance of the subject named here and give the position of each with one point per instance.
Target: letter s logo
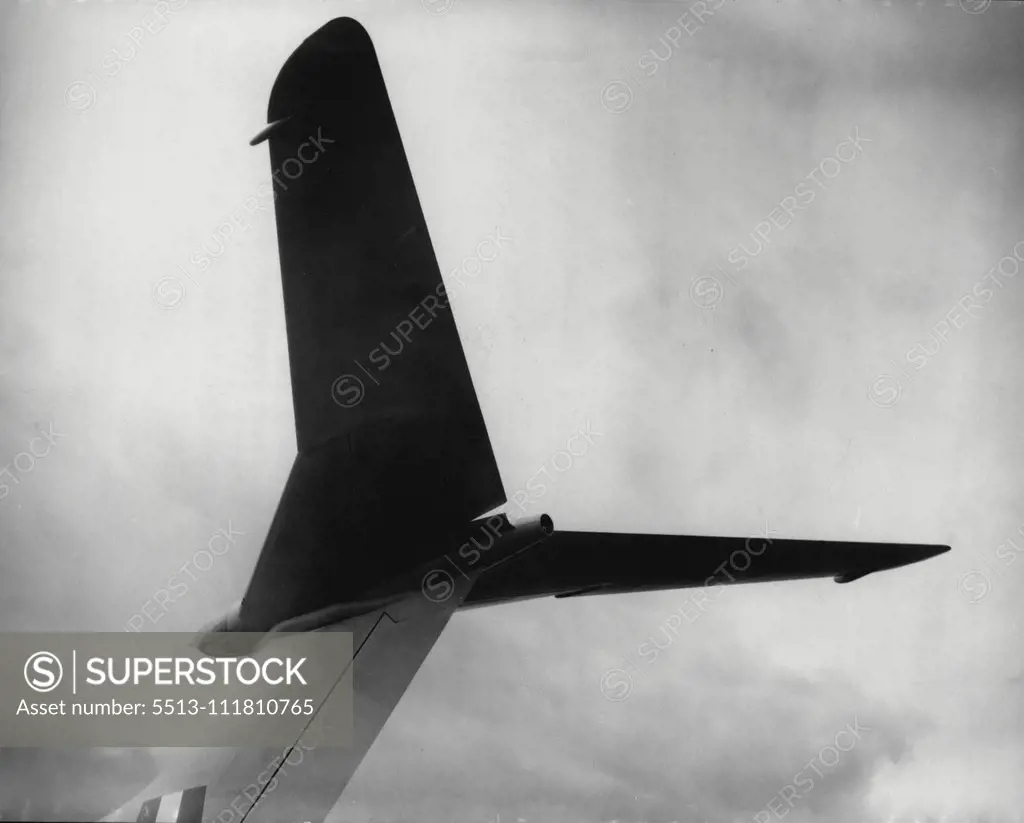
(40, 672)
(438, 585)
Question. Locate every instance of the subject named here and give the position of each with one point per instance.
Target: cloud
(509, 710)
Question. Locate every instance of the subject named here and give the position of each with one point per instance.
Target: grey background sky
(177, 422)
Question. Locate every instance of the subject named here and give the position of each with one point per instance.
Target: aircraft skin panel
(304, 781)
(386, 665)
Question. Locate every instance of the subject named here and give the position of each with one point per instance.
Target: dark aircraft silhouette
(383, 526)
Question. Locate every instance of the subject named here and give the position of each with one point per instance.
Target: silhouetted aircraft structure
(383, 526)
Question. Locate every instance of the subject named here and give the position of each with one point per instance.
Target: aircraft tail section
(390, 435)
(371, 336)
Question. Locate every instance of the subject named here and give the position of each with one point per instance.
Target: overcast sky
(816, 388)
